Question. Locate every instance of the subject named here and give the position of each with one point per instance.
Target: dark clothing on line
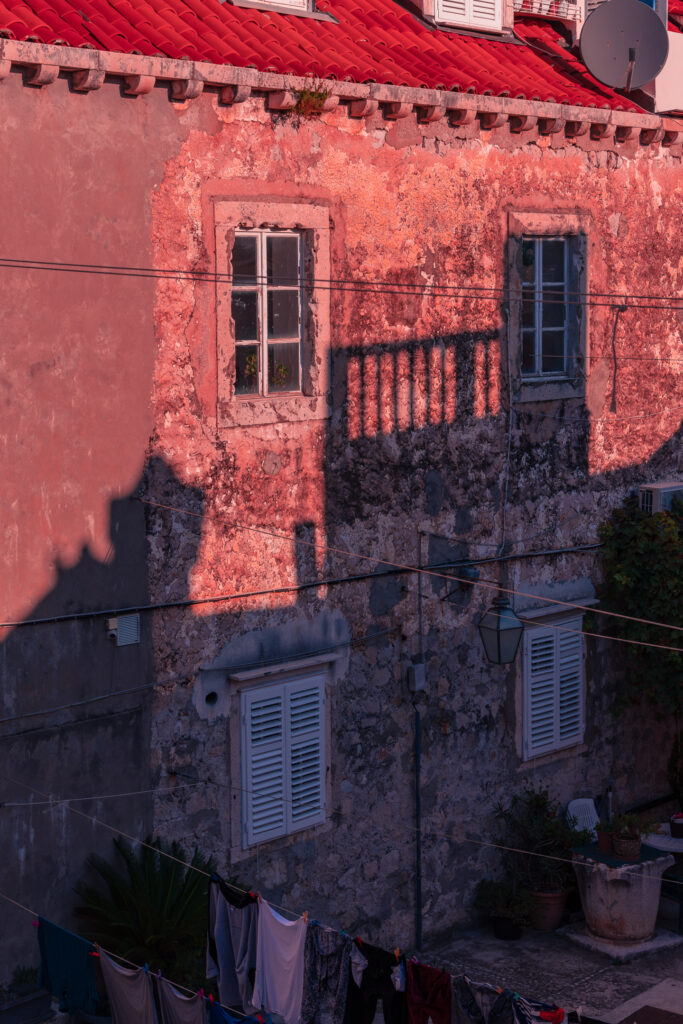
(361, 1003)
(429, 995)
(476, 1003)
(219, 1015)
(327, 965)
(67, 970)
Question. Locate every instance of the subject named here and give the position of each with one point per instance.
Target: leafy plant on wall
(642, 562)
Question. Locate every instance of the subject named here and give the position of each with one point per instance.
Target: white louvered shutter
(263, 773)
(306, 700)
(553, 687)
(486, 14)
(570, 724)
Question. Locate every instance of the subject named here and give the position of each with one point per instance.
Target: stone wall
(111, 381)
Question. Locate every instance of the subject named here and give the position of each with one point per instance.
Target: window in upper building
(547, 329)
(553, 698)
(266, 311)
(483, 14)
(283, 758)
(545, 314)
(272, 313)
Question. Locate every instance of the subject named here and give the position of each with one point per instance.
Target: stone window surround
(533, 618)
(577, 228)
(312, 220)
(256, 678)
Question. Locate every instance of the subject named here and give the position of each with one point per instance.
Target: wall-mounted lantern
(500, 632)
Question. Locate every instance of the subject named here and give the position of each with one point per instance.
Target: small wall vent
(125, 629)
(660, 496)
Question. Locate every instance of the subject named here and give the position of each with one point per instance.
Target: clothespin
(146, 968)
(36, 923)
(159, 973)
(210, 997)
(201, 992)
(305, 916)
(94, 953)
(397, 954)
(259, 897)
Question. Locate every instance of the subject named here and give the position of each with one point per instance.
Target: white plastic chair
(582, 814)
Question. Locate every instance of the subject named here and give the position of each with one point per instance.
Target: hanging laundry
(177, 1008)
(376, 983)
(219, 1015)
(358, 964)
(130, 993)
(279, 979)
(231, 947)
(327, 962)
(429, 994)
(477, 1003)
(67, 969)
(533, 1011)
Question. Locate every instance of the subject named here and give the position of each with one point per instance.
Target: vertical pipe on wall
(418, 807)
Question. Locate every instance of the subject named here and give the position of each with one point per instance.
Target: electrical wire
(359, 286)
(486, 584)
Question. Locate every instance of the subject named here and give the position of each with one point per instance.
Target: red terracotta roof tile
(371, 41)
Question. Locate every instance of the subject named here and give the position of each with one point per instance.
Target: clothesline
(295, 914)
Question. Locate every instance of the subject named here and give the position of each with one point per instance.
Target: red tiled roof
(372, 41)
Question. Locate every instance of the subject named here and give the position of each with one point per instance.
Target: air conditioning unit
(659, 497)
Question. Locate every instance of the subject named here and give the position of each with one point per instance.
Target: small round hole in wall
(211, 698)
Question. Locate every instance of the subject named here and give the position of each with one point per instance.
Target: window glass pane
(283, 367)
(244, 315)
(244, 260)
(528, 309)
(282, 259)
(528, 260)
(553, 308)
(528, 355)
(246, 370)
(283, 314)
(553, 259)
(552, 360)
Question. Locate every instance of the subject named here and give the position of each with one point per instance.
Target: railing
(566, 10)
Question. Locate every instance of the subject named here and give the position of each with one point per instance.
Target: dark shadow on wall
(97, 739)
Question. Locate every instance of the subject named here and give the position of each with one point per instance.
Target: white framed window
(545, 321)
(484, 14)
(272, 311)
(553, 688)
(266, 310)
(283, 758)
(548, 328)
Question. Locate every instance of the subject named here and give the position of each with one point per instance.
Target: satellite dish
(624, 44)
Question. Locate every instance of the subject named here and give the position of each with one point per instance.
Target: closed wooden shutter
(264, 764)
(283, 758)
(487, 14)
(553, 687)
(306, 751)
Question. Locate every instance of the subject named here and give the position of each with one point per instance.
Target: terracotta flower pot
(547, 910)
(604, 841)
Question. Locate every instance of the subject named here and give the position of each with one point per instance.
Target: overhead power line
(377, 286)
(486, 584)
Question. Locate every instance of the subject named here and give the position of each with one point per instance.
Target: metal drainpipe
(418, 752)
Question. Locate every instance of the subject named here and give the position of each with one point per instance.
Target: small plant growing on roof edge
(311, 99)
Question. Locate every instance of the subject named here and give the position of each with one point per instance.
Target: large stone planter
(620, 901)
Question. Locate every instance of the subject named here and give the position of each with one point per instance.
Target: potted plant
(506, 907)
(539, 840)
(626, 840)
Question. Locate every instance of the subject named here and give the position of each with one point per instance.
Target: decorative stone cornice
(188, 79)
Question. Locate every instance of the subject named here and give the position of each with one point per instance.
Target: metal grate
(128, 630)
